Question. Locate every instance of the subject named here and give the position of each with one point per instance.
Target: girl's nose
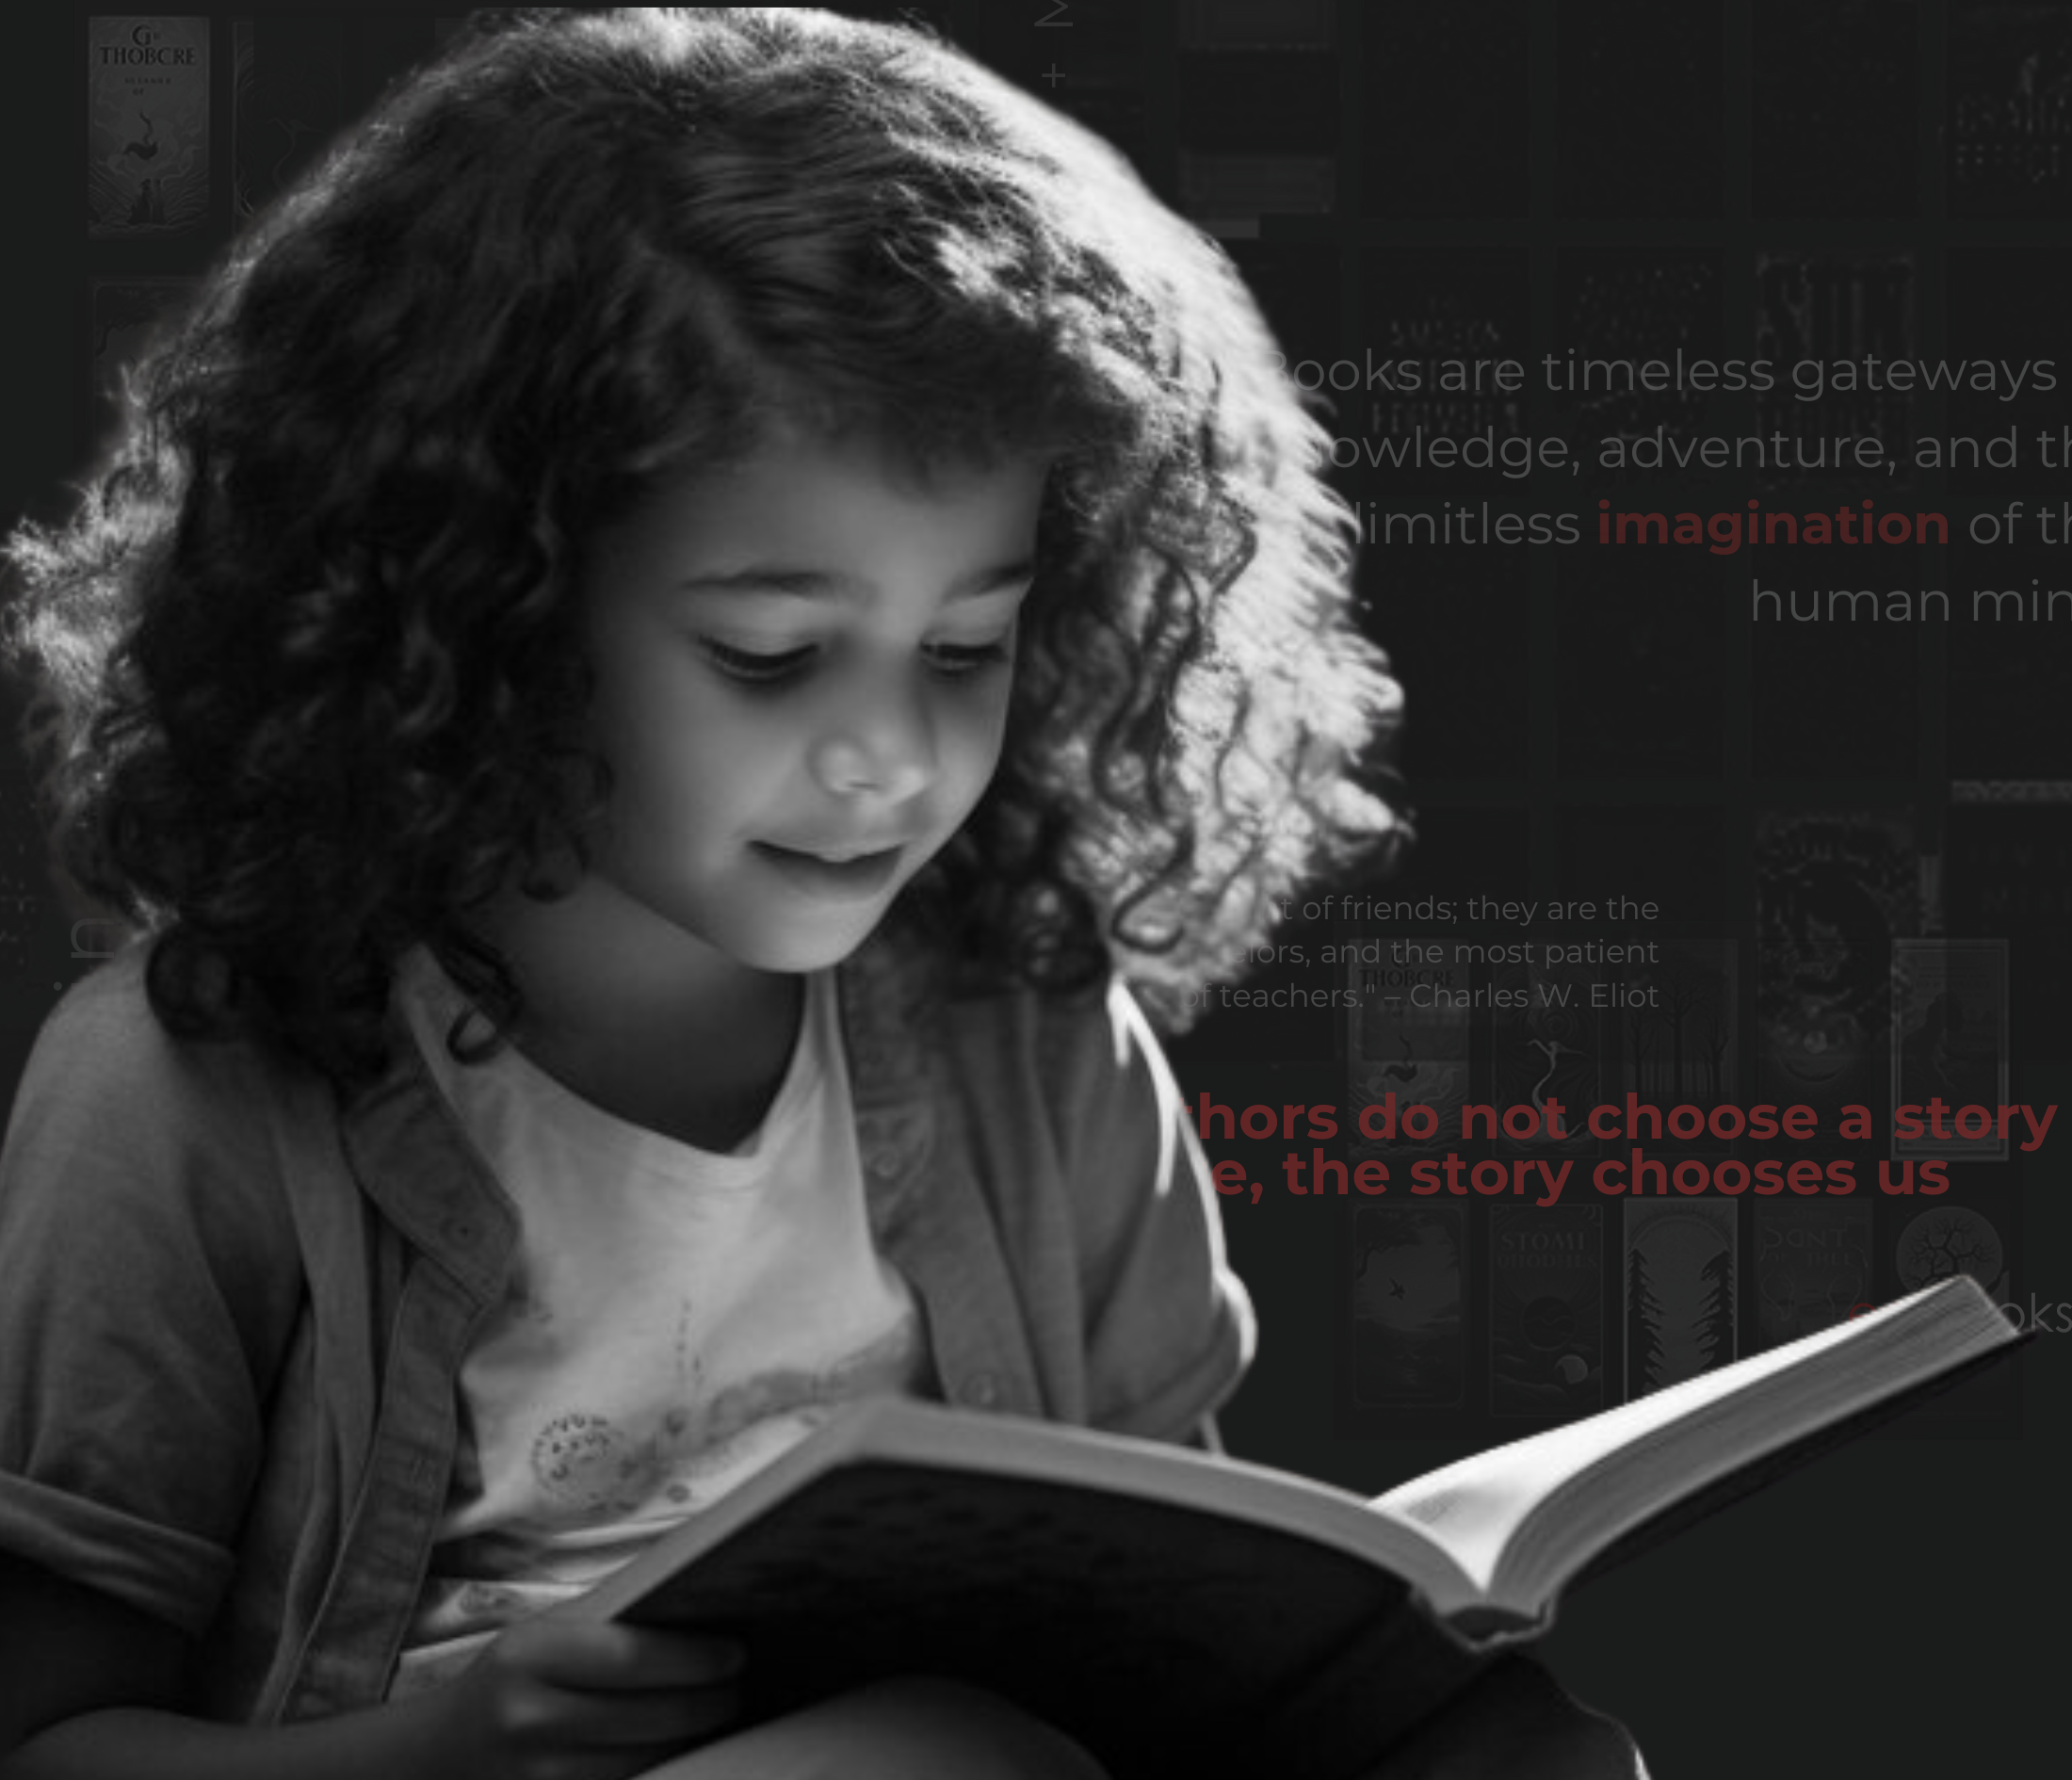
(885, 750)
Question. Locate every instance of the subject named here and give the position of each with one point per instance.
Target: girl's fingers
(585, 1657)
(656, 1658)
(664, 1721)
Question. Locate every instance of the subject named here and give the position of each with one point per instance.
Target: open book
(1165, 1605)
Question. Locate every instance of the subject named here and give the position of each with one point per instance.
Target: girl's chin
(806, 944)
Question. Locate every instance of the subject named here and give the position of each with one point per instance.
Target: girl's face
(802, 667)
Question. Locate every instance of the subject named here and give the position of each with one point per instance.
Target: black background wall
(1828, 814)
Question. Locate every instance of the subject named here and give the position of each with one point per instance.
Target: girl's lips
(861, 877)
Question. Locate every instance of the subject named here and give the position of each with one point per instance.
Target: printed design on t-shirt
(586, 1464)
(576, 1459)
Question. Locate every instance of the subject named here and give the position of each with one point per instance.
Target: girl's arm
(99, 1698)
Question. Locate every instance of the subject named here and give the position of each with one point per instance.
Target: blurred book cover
(1548, 1048)
(1678, 1033)
(128, 314)
(1950, 1054)
(1408, 1037)
(1833, 892)
(289, 101)
(1681, 1282)
(146, 125)
(1408, 1268)
(1545, 1310)
(1812, 1266)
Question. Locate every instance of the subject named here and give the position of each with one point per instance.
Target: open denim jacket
(234, 1308)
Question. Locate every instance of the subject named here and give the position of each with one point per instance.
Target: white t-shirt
(675, 1319)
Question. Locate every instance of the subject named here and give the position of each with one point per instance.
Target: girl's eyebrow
(826, 584)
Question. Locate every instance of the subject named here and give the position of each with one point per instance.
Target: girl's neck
(645, 1020)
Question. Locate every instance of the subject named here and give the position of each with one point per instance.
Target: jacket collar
(927, 1209)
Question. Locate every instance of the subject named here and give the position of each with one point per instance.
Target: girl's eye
(954, 660)
(753, 667)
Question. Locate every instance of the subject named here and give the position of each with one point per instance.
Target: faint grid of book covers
(146, 125)
(2009, 874)
(292, 95)
(1678, 1046)
(1258, 113)
(1680, 1268)
(1935, 1240)
(1826, 307)
(1632, 304)
(1813, 1265)
(1548, 1048)
(1950, 1042)
(289, 102)
(1095, 68)
(2009, 140)
(1397, 1044)
(1945, 1240)
(1547, 1305)
(128, 314)
(1408, 1278)
(1433, 304)
(1833, 891)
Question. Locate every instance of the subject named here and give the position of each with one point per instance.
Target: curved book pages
(1166, 1606)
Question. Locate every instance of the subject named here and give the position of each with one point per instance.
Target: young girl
(671, 629)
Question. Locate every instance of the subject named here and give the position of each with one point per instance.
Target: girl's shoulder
(103, 1044)
(1089, 1159)
(1073, 1050)
(115, 1113)
(1077, 1071)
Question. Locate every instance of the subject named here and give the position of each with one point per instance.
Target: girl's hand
(562, 1700)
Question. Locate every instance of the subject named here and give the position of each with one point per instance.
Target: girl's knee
(1516, 1720)
(911, 1727)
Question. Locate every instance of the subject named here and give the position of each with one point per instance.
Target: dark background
(1489, 179)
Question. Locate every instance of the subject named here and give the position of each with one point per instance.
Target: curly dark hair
(308, 690)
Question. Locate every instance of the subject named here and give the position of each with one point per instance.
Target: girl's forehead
(784, 461)
(906, 451)
(801, 505)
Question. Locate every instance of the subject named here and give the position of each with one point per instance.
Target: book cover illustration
(127, 314)
(1827, 306)
(1549, 1046)
(1677, 1038)
(2009, 875)
(1953, 1239)
(1619, 301)
(1812, 1266)
(146, 125)
(1545, 1310)
(1408, 1031)
(1681, 1285)
(1979, 1241)
(289, 102)
(1950, 1045)
(1833, 892)
(1408, 1332)
(2009, 69)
